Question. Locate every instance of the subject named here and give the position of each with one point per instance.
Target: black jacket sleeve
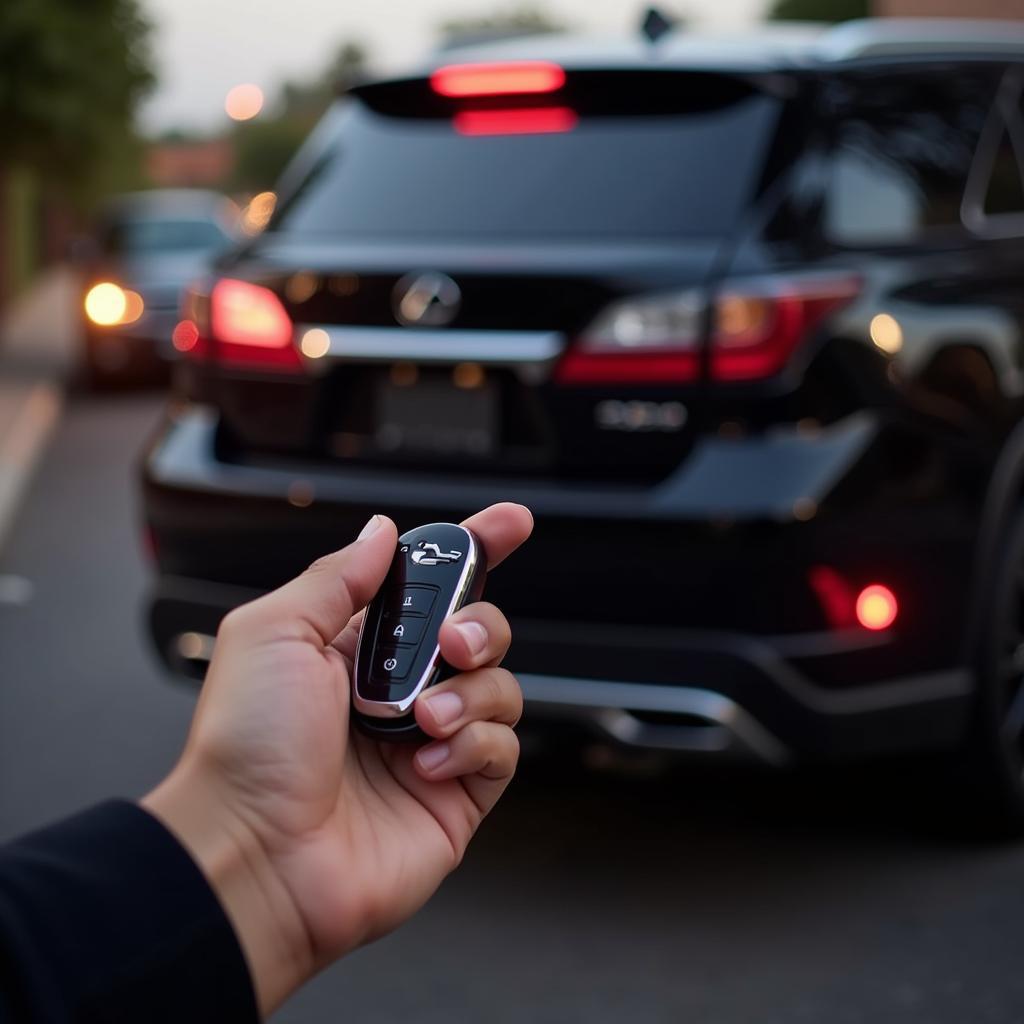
(105, 918)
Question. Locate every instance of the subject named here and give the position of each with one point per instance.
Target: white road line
(28, 413)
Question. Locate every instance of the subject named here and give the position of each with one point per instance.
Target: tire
(990, 773)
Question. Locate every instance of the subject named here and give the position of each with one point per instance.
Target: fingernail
(433, 756)
(474, 634)
(445, 707)
(371, 527)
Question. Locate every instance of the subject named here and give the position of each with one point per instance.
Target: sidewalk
(38, 342)
(39, 331)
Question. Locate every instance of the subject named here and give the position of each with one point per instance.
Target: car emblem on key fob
(398, 656)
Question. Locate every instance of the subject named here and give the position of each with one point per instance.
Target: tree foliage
(71, 75)
(264, 145)
(819, 10)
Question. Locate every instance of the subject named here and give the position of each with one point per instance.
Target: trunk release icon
(431, 554)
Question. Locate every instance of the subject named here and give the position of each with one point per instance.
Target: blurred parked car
(147, 247)
(739, 319)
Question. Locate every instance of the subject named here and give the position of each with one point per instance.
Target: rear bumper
(616, 644)
(721, 695)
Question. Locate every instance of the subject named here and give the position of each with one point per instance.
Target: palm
(321, 797)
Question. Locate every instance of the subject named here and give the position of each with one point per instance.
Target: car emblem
(426, 299)
(431, 554)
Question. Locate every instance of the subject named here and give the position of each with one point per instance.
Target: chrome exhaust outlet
(188, 654)
(672, 718)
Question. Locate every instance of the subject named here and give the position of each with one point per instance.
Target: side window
(902, 150)
(1004, 192)
(995, 194)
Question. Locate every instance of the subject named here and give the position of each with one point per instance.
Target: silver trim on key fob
(396, 709)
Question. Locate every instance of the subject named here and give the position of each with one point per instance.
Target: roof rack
(911, 37)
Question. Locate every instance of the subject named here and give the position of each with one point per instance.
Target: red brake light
(876, 607)
(528, 121)
(249, 326)
(757, 327)
(507, 79)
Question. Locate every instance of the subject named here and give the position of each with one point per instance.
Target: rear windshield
(145, 236)
(681, 161)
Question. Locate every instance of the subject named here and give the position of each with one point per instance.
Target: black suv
(740, 320)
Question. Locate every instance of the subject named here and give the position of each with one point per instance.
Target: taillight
(874, 607)
(240, 324)
(514, 78)
(755, 328)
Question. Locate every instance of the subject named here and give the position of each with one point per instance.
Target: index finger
(501, 529)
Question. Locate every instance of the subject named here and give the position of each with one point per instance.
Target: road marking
(28, 414)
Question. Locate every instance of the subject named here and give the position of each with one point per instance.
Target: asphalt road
(679, 896)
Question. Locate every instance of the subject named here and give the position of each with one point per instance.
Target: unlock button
(404, 630)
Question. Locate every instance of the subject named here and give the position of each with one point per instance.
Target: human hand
(317, 839)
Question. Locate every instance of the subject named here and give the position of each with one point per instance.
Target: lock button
(405, 630)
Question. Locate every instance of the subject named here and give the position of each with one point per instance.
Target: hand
(317, 839)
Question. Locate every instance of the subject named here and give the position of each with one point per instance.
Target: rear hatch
(471, 274)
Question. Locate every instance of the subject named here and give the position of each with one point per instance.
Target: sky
(203, 47)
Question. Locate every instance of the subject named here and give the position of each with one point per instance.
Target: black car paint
(879, 467)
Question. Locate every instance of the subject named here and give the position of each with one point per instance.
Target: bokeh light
(107, 305)
(243, 102)
(886, 333)
(316, 343)
(258, 212)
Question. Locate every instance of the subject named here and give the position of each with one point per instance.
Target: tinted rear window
(152, 235)
(679, 161)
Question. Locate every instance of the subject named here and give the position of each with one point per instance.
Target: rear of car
(590, 289)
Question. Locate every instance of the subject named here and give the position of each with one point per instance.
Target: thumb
(317, 605)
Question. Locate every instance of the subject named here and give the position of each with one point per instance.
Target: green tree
(819, 10)
(523, 20)
(71, 75)
(264, 145)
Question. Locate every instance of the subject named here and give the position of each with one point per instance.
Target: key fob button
(412, 601)
(391, 664)
(406, 630)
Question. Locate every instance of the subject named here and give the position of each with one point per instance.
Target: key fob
(436, 570)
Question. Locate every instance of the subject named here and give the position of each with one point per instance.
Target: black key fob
(436, 570)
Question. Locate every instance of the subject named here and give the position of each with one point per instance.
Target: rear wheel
(993, 766)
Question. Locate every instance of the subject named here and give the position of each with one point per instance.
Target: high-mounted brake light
(531, 121)
(756, 327)
(505, 79)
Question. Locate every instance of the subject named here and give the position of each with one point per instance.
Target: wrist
(237, 867)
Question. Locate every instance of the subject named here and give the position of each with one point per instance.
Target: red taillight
(245, 325)
(876, 607)
(507, 79)
(756, 328)
(528, 121)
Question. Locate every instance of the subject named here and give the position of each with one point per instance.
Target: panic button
(391, 664)
(406, 630)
